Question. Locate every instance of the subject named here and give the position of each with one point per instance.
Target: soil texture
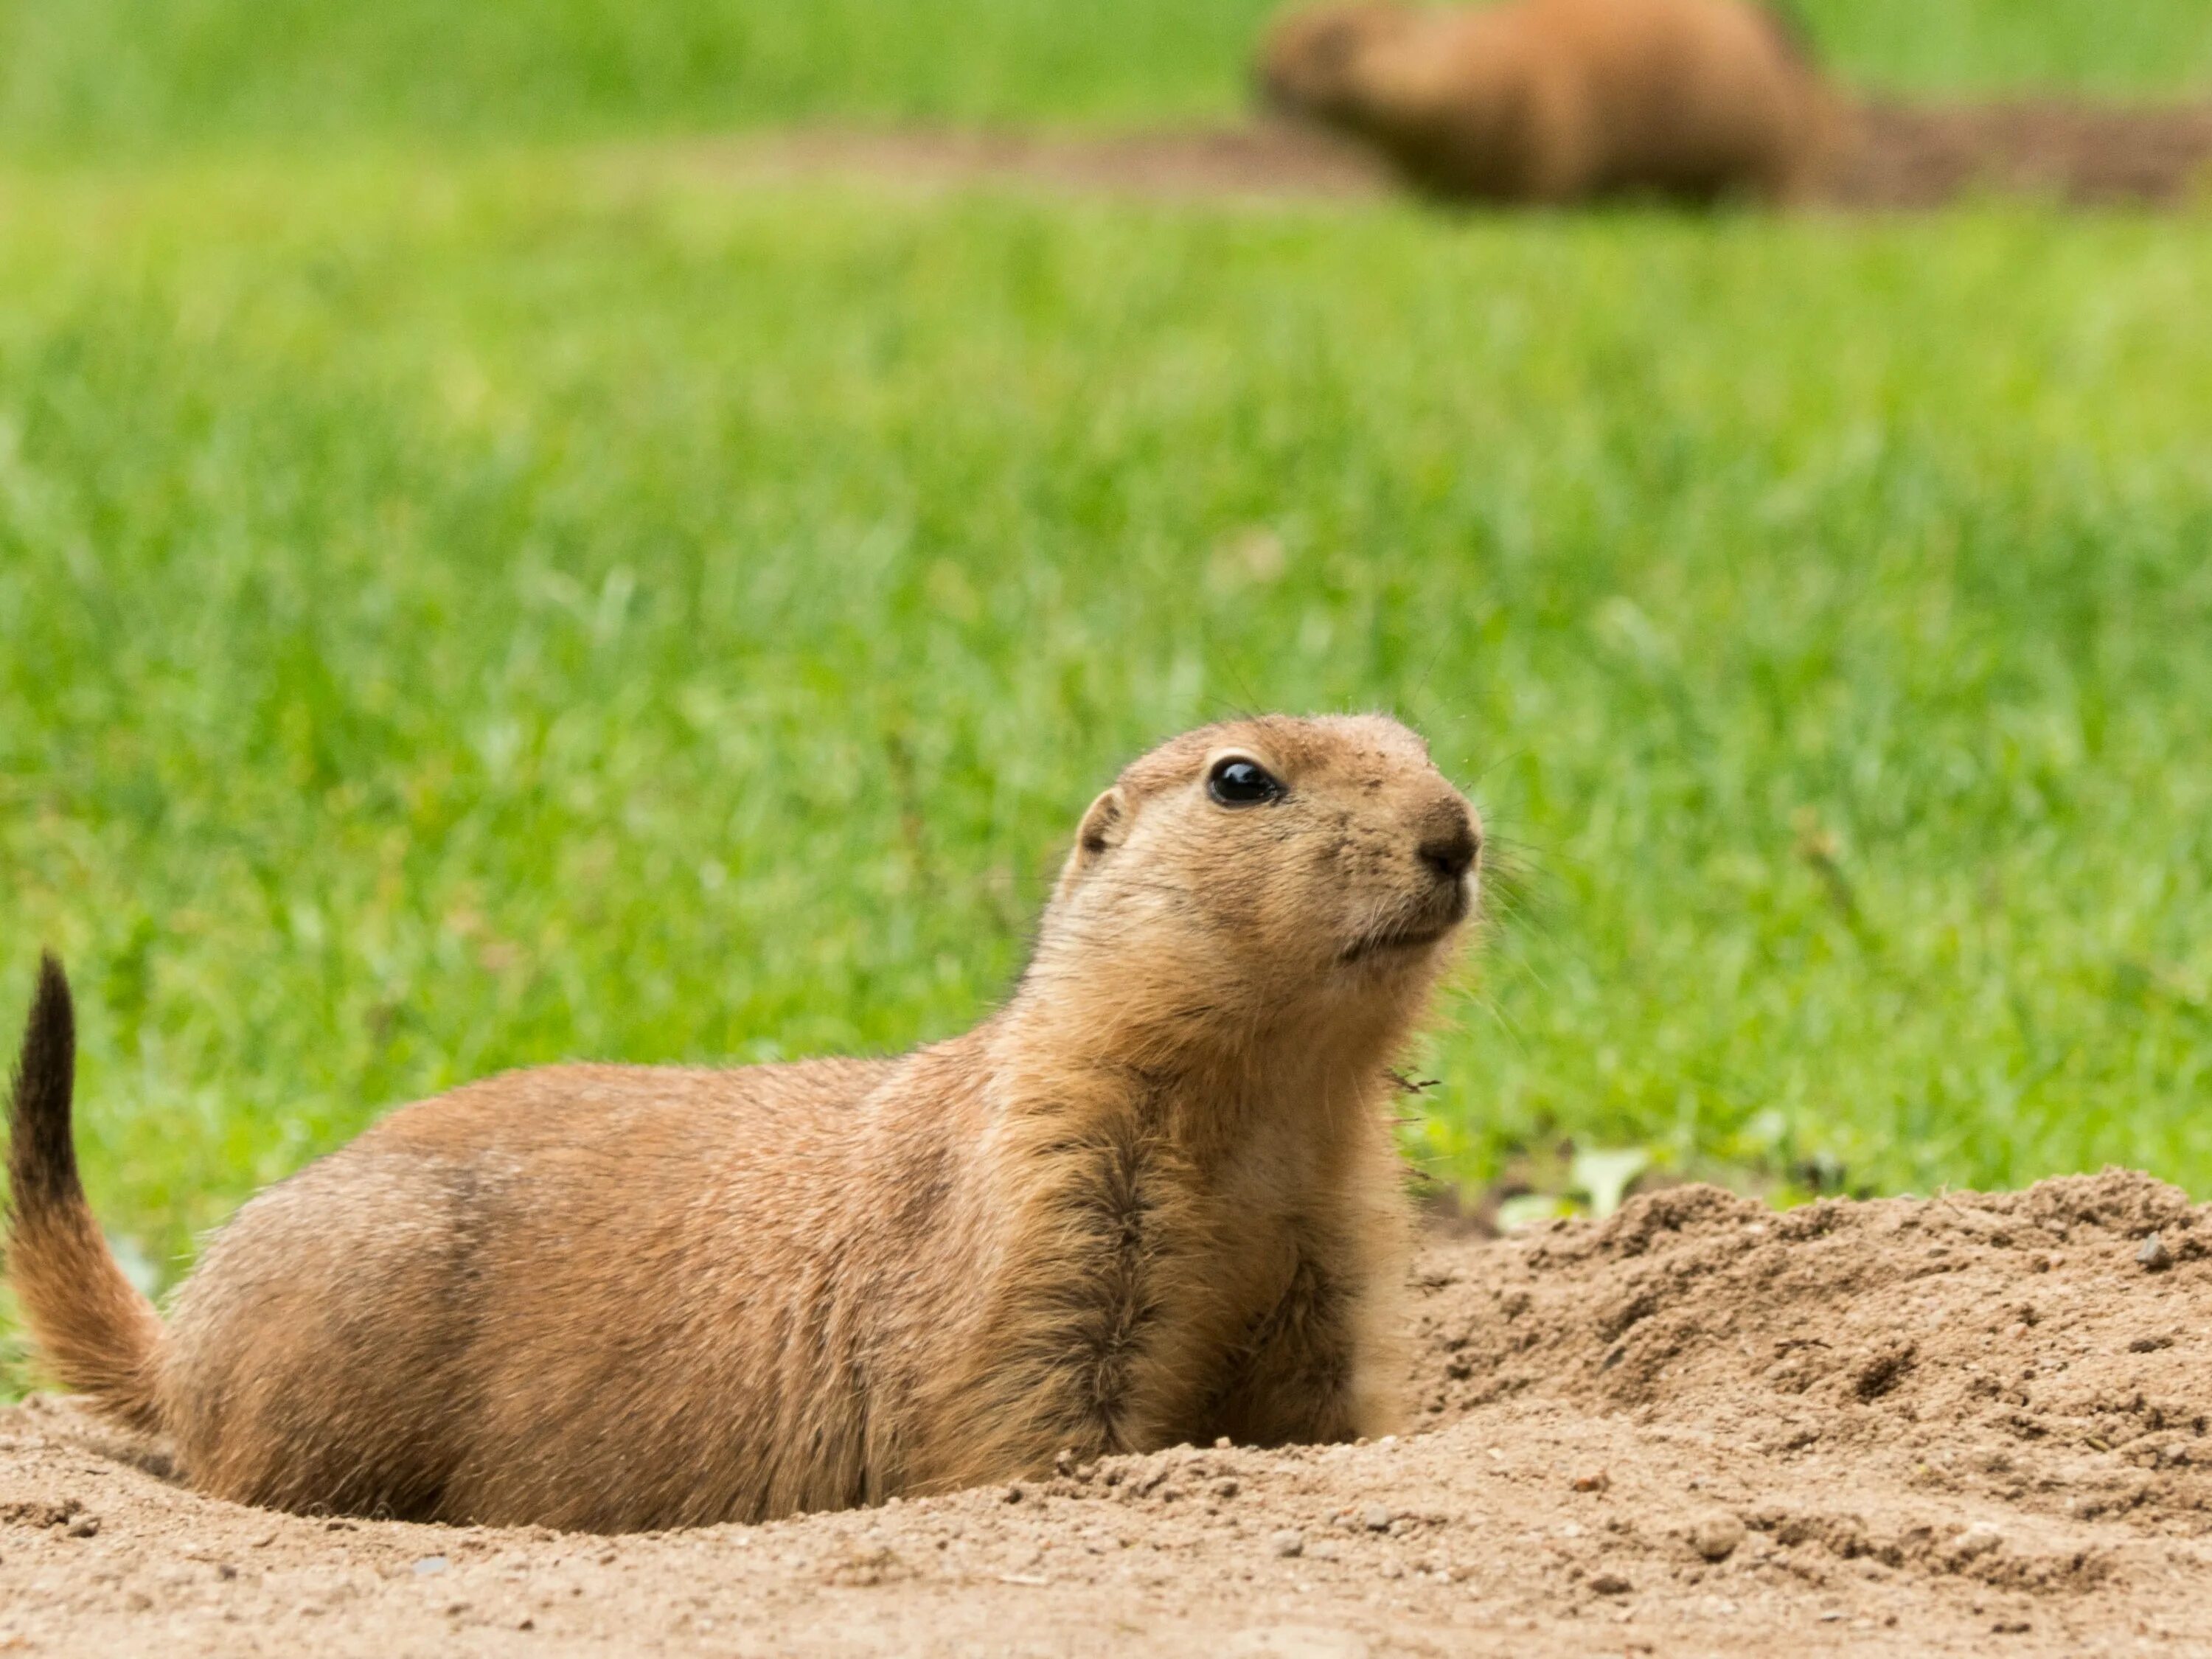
(1905, 156)
(1971, 1424)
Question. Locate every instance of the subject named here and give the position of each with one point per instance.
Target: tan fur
(1562, 101)
(1153, 1198)
(94, 1326)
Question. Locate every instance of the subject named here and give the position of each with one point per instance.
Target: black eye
(1241, 783)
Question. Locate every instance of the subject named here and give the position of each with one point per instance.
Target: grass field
(463, 610)
(131, 75)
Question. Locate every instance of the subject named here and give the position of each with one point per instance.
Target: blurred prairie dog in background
(1550, 101)
(1153, 1198)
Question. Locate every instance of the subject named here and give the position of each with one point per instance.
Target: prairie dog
(1152, 1199)
(1561, 100)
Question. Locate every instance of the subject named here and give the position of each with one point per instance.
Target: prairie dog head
(1315, 61)
(1269, 868)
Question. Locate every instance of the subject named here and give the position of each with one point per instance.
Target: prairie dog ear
(1104, 824)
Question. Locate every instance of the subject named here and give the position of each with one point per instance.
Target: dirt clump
(1974, 1424)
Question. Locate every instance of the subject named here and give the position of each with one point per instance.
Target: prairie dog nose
(1450, 842)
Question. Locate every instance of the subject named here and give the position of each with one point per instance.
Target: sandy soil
(1900, 156)
(1974, 1425)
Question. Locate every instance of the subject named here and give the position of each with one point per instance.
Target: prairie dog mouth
(1409, 934)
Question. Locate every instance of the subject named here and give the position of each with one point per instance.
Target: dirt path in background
(1972, 1425)
(1903, 156)
(2082, 154)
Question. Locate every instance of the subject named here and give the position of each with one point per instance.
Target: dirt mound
(1899, 157)
(2082, 155)
(1975, 1423)
(2043, 1351)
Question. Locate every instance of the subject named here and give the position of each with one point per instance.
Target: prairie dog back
(532, 1283)
(1563, 100)
(1152, 1198)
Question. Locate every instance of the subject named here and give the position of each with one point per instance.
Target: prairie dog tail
(95, 1332)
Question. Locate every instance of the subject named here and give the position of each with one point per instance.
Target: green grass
(462, 618)
(146, 74)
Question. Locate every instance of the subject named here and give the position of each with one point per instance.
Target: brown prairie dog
(1562, 101)
(1153, 1198)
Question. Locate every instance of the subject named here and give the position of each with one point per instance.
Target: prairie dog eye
(1236, 781)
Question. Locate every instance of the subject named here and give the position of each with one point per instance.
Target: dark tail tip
(41, 1150)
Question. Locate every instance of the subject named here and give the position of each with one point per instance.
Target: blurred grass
(460, 619)
(145, 75)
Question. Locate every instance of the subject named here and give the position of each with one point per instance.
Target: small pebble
(1596, 1480)
(1611, 1584)
(1978, 1539)
(429, 1565)
(1375, 1518)
(1716, 1536)
(2154, 1257)
(1290, 1541)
